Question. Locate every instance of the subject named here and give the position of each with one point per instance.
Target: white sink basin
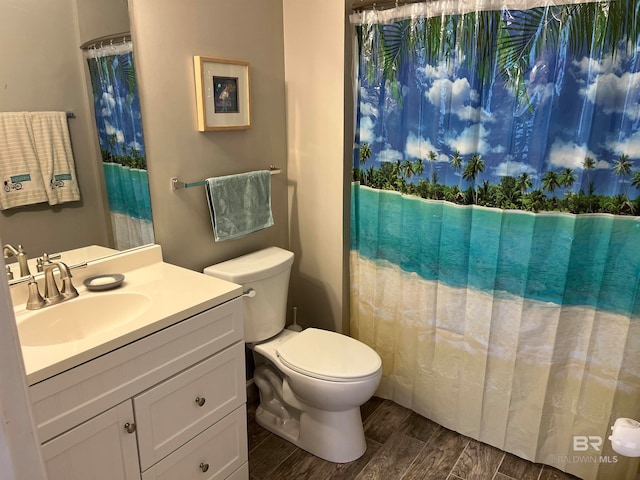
(80, 318)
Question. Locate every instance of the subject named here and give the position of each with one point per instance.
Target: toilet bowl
(311, 383)
(316, 406)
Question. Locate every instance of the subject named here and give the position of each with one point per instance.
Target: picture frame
(222, 94)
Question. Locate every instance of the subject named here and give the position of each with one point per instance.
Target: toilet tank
(267, 273)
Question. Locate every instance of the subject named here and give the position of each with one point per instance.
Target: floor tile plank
(550, 473)
(392, 459)
(479, 461)
(516, 467)
(351, 470)
(419, 427)
(266, 457)
(438, 457)
(370, 406)
(502, 476)
(385, 421)
(300, 464)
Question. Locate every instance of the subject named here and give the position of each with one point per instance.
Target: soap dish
(104, 282)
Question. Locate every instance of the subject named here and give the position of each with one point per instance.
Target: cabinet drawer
(171, 413)
(221, 450)
(83, 392)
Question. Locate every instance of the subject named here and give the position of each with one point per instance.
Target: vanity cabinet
(168, 406)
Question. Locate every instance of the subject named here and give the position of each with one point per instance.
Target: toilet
(312, 383)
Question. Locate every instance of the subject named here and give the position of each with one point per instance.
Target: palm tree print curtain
(495, 237)
(119, 125)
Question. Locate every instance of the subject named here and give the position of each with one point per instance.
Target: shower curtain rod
(106, 40)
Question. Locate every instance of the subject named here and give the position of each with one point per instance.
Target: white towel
(53, 147)
(19, 168)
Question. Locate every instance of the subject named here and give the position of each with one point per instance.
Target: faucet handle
(35, 300)
(9, 273)
(45, 258)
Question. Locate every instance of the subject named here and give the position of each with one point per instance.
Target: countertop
(176, 294)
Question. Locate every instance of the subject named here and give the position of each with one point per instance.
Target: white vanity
(158, 394)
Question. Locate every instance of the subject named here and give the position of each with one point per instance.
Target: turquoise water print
(589, 260)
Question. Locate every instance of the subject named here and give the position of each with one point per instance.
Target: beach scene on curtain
(495, 225)
(119, 127)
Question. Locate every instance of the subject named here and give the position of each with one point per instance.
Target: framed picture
(222, 94)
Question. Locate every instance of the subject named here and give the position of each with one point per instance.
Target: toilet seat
(328, 356)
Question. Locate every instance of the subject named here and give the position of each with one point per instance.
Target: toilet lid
(328, 356)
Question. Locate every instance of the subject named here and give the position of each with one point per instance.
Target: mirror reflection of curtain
(495, 236)
(119, 125)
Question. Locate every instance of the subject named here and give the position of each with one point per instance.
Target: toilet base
(334, 436)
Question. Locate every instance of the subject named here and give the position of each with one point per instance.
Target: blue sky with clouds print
(572, 107)
(117, 108)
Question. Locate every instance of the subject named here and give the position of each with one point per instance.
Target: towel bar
(175, 184)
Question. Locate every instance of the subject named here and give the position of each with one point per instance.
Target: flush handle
(249, 293)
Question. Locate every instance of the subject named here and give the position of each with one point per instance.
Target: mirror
(44, 70)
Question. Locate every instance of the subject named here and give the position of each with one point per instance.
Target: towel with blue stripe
(239, 204)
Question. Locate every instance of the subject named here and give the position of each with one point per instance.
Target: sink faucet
(52, 293)
(8, 251)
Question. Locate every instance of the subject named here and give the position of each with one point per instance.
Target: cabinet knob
(204, 467)
(200, 401)
(130, 427)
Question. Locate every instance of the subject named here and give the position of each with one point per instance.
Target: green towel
(239, 204)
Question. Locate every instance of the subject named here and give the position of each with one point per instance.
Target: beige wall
(167, 34)
(314, 59)
(99, 18)
(41, 69)
(309, 203)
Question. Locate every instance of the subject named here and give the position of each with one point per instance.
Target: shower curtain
(119, 125)
(495, 236)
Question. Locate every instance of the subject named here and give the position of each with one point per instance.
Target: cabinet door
(99, 449)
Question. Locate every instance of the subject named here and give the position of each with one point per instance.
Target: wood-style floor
(402, 445)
